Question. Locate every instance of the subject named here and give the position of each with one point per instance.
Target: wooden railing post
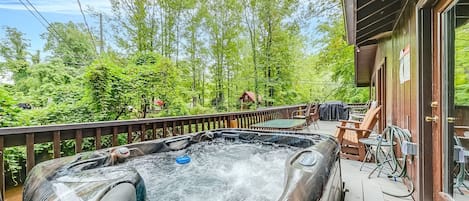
(233, 122)
(189, 126)
(143, 133)
(78, 141)
(2, 170)
(203, 124)
(182, 127)
(97, 141)
(173, 129)
(115, 141)
(56, 144)
(29, 152)
(165, 131)
(129, 135)
(153, 132)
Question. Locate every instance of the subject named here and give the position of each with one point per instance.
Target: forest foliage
(195, 56)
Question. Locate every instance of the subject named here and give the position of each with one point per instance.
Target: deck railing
(135, 131)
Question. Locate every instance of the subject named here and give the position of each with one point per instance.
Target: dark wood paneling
(425, 98)
(400, 99)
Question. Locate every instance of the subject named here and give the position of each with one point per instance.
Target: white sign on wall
(404, 65)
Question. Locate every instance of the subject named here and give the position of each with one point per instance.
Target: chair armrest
(354, 129)
(350, 121)
(345, 122)
(361, 116)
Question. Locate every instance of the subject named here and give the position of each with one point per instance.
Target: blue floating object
(183, 159)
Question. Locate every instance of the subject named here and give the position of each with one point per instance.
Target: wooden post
(182, 127)
(78, 141)
(174, 133)
(143, 133)
(29, 152)
(114, 136)
(154, 130)
(241, 120)
(56, 144)
(97, 141)
(190, 126)
(233, 122)
(165, 132)
(2, 170)
(129, 134)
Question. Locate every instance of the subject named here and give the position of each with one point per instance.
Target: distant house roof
(249, 96)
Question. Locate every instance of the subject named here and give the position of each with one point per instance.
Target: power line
(49, 25)
(32, 13)
(87, 27)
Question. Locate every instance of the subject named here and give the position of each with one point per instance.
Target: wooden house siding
(402, 99)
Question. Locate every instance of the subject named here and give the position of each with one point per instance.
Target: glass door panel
(455, 100)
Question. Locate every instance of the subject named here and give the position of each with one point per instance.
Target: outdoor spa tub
(223, 164)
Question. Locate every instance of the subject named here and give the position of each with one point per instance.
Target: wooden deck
(359, 187)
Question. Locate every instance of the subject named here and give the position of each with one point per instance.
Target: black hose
(396, 136)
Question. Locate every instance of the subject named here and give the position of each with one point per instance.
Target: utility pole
(101, 38)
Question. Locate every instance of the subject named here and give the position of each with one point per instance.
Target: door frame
(425, 63)
(437, 88)
(380, 88)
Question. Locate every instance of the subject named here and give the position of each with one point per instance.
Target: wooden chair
(310, 114)
(314, 116)
(301, 114)
(360, 115)
(349, 136)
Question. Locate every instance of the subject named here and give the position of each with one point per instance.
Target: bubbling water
(218, 171)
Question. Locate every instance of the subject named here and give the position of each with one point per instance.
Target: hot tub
(223, 164)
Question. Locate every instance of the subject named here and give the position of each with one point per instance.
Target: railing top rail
(101, 124)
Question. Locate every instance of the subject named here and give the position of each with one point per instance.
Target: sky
(14, 14)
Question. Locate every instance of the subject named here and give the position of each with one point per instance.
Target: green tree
(71, 43)
(13, 50)
(135, 24)
(43, 79)
(196, 50)
(8, 110)
(107, 88)
(14, 46)
(337, 56)
(155, 77)
(223, 23)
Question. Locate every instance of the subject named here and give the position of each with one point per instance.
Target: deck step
(371, 191)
